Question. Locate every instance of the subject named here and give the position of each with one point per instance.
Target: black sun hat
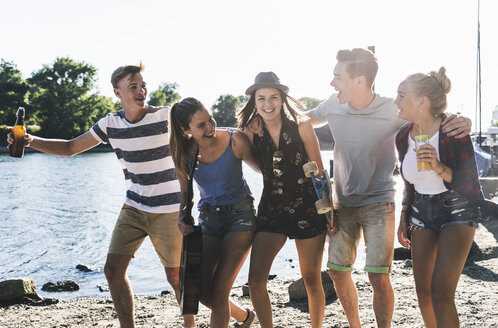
(267, 80)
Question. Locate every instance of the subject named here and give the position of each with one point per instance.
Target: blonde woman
(441, 204)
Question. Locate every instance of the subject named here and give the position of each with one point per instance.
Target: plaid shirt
(457, 154)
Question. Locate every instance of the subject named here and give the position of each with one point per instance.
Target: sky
(216, 47)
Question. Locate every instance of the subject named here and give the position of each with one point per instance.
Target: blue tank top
(221, 182)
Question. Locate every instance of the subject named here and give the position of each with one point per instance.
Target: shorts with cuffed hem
(376, 221)
(220, 220)
(434, 212)
(133, 225)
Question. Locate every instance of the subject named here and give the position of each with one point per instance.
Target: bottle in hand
(18, 133)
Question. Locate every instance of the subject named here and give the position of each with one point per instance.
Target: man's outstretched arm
(59, 147)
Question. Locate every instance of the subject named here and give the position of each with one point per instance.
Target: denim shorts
(219, 220)
(434, 212)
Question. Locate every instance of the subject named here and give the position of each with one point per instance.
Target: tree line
(62, 101)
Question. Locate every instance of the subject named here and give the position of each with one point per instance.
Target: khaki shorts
(134, 225)
(377, 223)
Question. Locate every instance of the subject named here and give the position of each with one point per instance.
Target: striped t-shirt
(143, 150)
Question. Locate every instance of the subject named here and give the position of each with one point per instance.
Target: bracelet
(442, 171)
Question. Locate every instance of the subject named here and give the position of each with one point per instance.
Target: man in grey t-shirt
(364, 126)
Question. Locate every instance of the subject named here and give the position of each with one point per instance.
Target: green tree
(323, 133)
(117, 106)
(309, 102)
(13, 92)
(224, 109)
(166, 95)
(61, 96)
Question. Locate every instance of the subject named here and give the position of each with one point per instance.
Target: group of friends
(275, 136)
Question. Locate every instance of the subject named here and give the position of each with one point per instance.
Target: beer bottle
(18, 133)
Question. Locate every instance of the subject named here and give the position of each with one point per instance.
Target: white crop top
(425, 182)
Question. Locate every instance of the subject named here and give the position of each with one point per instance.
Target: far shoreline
(102, 148)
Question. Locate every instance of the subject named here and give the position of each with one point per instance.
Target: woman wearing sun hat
(286, 209)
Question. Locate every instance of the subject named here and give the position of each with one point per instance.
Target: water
(57, 212)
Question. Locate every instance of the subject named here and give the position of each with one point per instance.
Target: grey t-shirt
(364, 152)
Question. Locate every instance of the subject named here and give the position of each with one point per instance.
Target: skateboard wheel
(323, 206)
(309, 168)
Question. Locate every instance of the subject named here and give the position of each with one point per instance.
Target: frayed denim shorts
(434, 212)
(219, 220)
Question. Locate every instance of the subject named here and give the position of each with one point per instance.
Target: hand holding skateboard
(323, 189)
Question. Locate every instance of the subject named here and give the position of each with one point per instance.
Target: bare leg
(310, 253)
(210, 258)
(173, 276)
(120, 288)
(424, 248)
(346, 291)
(266, 246)
(454, 243)
(234, 249)
(383, 298)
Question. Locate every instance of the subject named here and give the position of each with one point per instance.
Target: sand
(476, 299)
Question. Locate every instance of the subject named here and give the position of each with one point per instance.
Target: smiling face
(343, 83)
(132, 91)
(408, 103)
(202, 126)
(268, 103)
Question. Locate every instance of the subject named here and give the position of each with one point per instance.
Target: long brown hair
(181, 116)
(248, 112)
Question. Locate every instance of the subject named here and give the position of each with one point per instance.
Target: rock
(38, 301)
(297, 291)
(489, 186)
(86, 268)
(245, 290)
(272, 276)
(33, 300)
(165, 292)
(408, 263)
(14, 288)
(474, 253)
(22, 291)
(401, 253)
(61, 286)
(103, 289)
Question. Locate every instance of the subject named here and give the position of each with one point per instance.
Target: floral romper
(287, 203)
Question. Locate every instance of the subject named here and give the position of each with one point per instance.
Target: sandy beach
(476, 298)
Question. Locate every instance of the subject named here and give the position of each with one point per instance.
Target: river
(58, 212)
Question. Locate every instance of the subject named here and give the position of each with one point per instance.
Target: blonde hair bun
(441, 77)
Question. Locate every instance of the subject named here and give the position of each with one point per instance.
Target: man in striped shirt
(139, 136)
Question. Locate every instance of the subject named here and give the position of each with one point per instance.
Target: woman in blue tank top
(227, 215)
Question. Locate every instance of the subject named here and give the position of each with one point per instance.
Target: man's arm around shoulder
(457, 126)
(314, 120)
(316, 115)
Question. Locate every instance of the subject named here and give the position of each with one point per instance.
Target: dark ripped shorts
(434, 212)
(219, 220)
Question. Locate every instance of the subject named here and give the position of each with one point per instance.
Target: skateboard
(190, 269)
(190, 263)
(323, 189)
